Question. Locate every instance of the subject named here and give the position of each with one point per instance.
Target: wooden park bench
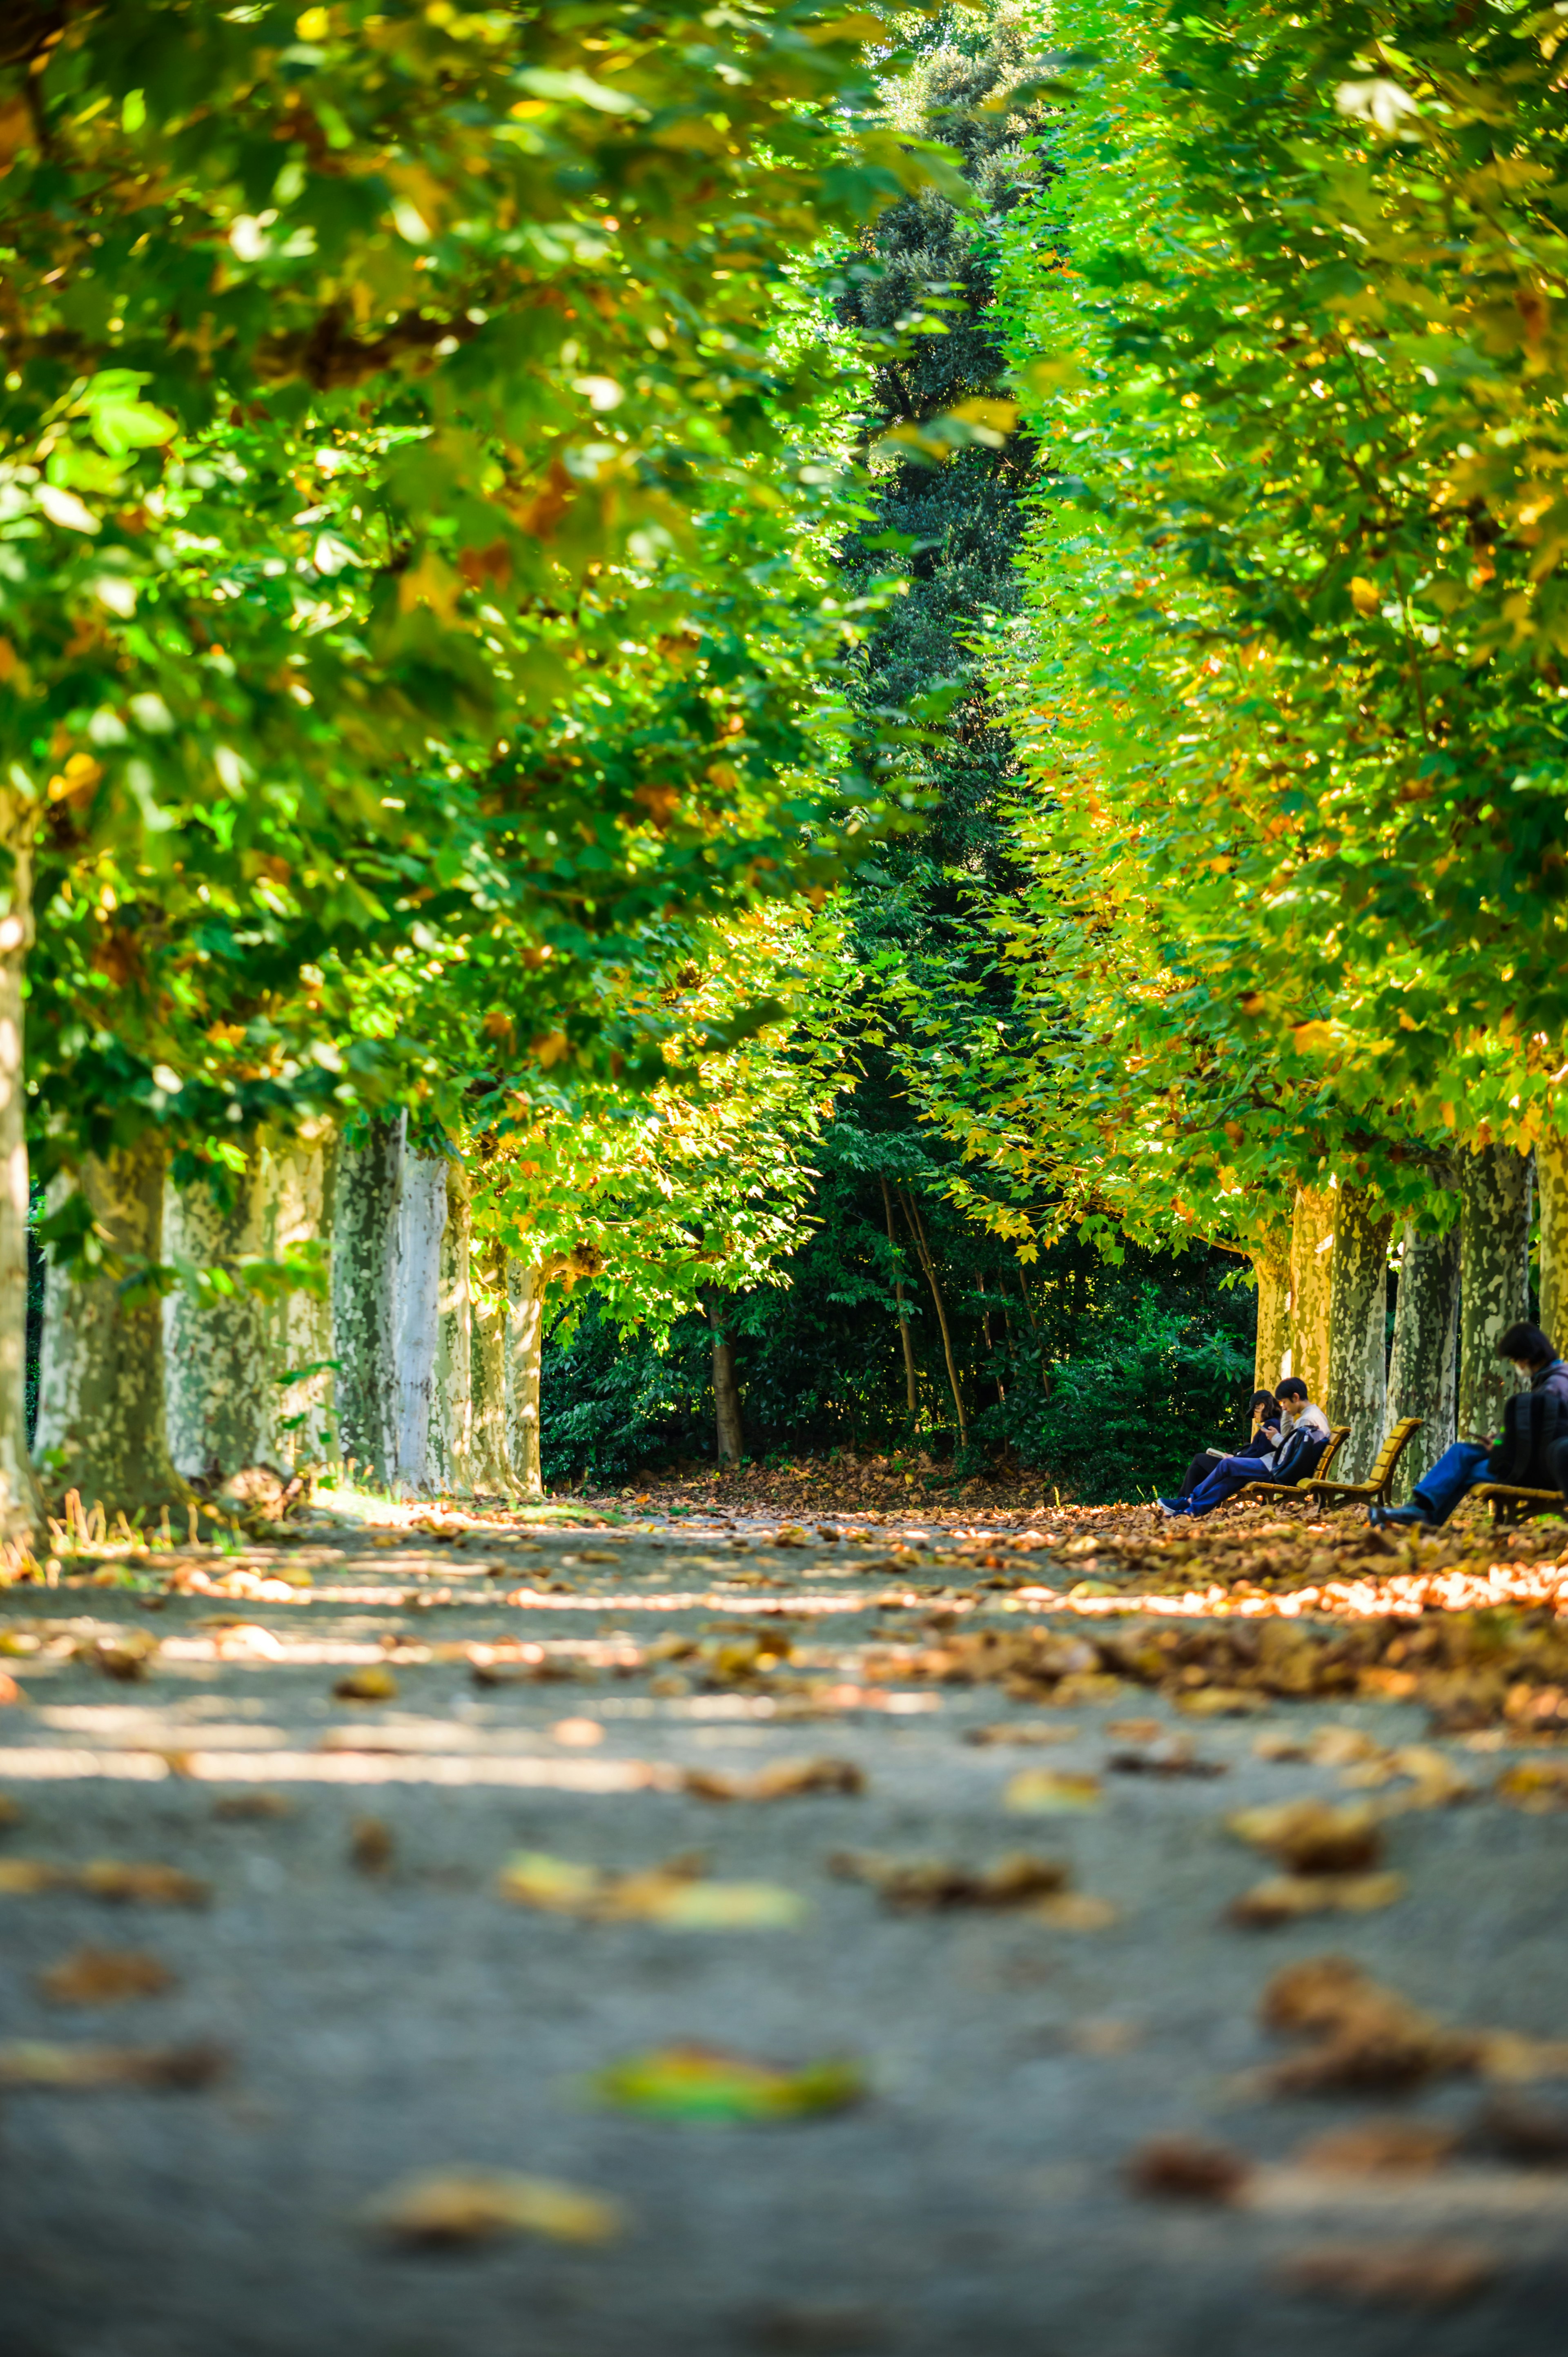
(1304, 1489)
(1377, 1489)
(1511, 1505)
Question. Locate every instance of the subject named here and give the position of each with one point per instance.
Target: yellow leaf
(471, 2205)
(1365, 596)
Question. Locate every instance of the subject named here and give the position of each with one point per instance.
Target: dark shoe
(1382, 1518)
(1172, 1505)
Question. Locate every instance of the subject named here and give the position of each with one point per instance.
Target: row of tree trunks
(421, 1369)
(1326, 1319)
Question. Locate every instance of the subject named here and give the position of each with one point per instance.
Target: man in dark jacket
(1536, 1419)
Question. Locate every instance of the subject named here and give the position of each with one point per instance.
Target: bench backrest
(1392, 1449)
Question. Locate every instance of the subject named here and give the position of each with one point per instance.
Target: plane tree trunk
(1494, 1280)
(21, 1506)
(364, 1298)
(1358, 1330)
(422, 1220)
(452, 1419)
(103, 1423)
(218, 1353)
(1423, 1367)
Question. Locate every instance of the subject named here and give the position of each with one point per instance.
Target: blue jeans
(1232, 1473)
(1453, 1477)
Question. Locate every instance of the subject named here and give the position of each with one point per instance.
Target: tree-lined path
(1060, 2113)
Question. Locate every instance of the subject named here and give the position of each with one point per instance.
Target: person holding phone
(1295, 1444)
(1265, 1412)
(1535, 1427)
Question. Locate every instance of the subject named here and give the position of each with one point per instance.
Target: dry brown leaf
(1172, 1756)
(1311, 1837)
(1535, 1785)
(1024, 1733)
(1521, 2131)
(371, 1846)
(148, 1885)
(451, 2207)
(34, 2063)
(1381, 2149)
(1285, 1898)
(247, 1808)
(787, 1779)
(1078, 1910)
(10, 1813)
(1036, 1791)
(104, 1976)
(371, 1684)
(1187, 2168)
(1365, 2037)
(21, 1877)
(1220, 1702)
(1505, 2055)
(1402, 2275)
(1015, 1880)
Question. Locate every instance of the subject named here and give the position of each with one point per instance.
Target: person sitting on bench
(1301, 1439)
(1534, 1422)
(1265, 1411)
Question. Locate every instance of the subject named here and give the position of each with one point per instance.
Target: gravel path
(381, 2010)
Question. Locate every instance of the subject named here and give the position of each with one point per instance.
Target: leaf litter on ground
(36, 2062)
(91, 1976)
(785, 1780)
(107, 1879)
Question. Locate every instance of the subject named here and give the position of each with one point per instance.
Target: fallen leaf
(787, 1779)
(1381, 2149)
(1535, 1785)
(1186, 2168)
(20, 1876)
(1311, 1837)
(1025, 1733)
(579, 1732)
(10, 1814)
(245, 1808)
(1170, 1757)
(104, 1976)
(150, 1886)
(449, 2207)
(1078, 1910)
(1519, 2131)
(371, 1846)
(1505, 2054)
(1036, 1791)
(792, 1535)
(696, 2083)
(373, 1684)
(9, 1690)
(32, 2062)
(1220, 1702)
(1402, 2275)
(675, 1894)
(1364, 2037)
(1285, 1898)
(1015, 1880)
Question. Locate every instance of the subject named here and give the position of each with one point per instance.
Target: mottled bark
(21, 1507)
(493, 1461)
(1552, 1178)
(1272, 1269)
(222, 1405)
(525, 1288)
(1312, 1286)
(1494, 1280)
(728, 1430)
(364, 1294)
(103, 1426)
(301, 1188)
(452, 1414)
(1358, 1327)
(421, 1216)
(1424, 1364)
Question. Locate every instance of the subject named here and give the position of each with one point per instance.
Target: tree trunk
(492, 1462)
(1423, 1369)
(364, 1295)
(916, 1229)
(1358, 1330)
(525, 1288)
(102, 1424)
(452, 1421)
(1312, 1288)
(728, 1430)
(222, 1403)
(1494, 1280)
(421, 1216)
(21, 1506)
(1552, 1178)
(1272, 1269)
(911, 1382)
(303, 1174)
